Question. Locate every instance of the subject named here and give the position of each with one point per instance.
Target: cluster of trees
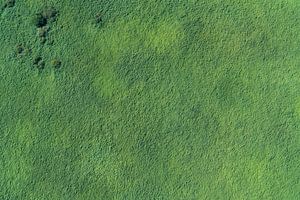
(45, 16)
(42, 20)
(39, 63)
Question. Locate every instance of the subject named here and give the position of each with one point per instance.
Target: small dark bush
(56, 63)
(20, 49)
(98, 18)
(9, 4)
(37, 60)
(40, 20)
(39, 63)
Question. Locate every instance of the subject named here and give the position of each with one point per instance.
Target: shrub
(98, 18)
(40, 20)
(9, 4)
(37, 60)
(56, 63)
(20, 49)
(39, 63)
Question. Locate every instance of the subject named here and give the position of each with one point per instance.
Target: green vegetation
(42, 18)
(56, 63)
(9, 4)
(149, 99)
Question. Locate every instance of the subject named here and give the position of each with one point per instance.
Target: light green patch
(16, 170)
(48, 189)
(62, 139)
(165, 35)
(116, 38)
(19, 164)
(26, 133)
(107, 83)
(47, 88)
(254, 174)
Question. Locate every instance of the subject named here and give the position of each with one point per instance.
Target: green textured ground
(191, 100)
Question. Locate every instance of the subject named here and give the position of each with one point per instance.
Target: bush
(40, 20)
(9, 4)
(20, 49)
(39, 63)
(98, 18)
(56, 63)
(37, 60)
(43, 40)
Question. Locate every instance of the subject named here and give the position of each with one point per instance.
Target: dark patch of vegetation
(9, 4)
(37, 60)
(56, 63)
(40, 20)
(39, 63)
(98, 18)
(20, 49)
(44, 17)
(43, 40)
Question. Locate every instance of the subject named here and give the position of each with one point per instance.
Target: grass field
(149, 100)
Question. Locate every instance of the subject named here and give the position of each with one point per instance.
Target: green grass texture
(149, 100)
